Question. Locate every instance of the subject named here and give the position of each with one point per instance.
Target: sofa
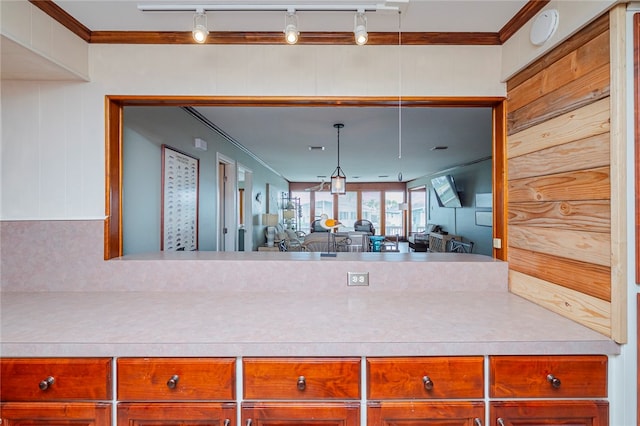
(420, 241)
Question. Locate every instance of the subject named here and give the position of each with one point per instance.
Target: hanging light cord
(399, 85)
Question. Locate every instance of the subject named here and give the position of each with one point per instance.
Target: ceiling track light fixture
(360, 27)
(338, 178)
(291, 32)
(200, 30)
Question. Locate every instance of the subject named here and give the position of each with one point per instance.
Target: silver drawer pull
(555, 382)
(428, 384)
(249, 422)
(500, 421)
(477, 422)
(46, 383)
(173, 381)
(227, 422)
(302, 383)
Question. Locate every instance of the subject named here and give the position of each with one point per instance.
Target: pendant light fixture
(338, 178)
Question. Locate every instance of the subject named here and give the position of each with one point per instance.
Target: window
(324, 204)
(371, 208)
(418, 202)
(347, 210)
(393, 216)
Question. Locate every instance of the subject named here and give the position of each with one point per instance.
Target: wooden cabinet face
(550, 413)
(301, 378)
(552, 376)
(422, 413)
(172, 379)
(301, 414)
(176, 414)
(58, 414)
(425, 378)
(55, 379)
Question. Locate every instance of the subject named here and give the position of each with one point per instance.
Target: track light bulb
(291, 32)
(360, 28)
(200, 31)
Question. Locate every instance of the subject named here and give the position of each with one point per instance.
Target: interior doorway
(227, 201)
(245, 208)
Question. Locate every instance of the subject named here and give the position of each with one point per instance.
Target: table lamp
(270, 220)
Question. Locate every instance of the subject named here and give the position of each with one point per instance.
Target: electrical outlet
(357, 278)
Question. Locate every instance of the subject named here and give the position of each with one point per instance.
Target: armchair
(364, 225)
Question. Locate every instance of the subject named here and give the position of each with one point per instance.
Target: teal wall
(471, 180)
(145, 130)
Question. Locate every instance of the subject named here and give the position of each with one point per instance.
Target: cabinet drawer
(55, 379)
(301, 378)
(548, 376)
(425, 377)
(176, 379)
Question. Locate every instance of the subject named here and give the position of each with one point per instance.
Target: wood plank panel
(590, 120)
(583, 154)
(570, 186)
(619, 129)
(590, 247)
(569, 97)
(636, 68)
(588, 278)
(573, 66)
(589, 215)
(582, 37)
(588, 311)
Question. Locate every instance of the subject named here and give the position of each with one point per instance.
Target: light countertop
(358, 322)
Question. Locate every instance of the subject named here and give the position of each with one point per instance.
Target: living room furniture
(364, 225)
(455, 246)
(420, 240)
(438, 242)
(390, 244)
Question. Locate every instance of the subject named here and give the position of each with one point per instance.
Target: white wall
(53, 132)
(573, 15)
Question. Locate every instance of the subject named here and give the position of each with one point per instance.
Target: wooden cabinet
(60, 391)
(425, 413)
(412, 390)
(554, 378)
(550, 413)
(176, 391)
(300, 391)
(55, 413)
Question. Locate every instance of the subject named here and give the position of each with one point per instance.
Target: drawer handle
(428, 383)
(555, 382)
(477, 422)
(227, 422)
(500, 421)
(302, 383)
(173, 381)
(249, 422)
(46, 383)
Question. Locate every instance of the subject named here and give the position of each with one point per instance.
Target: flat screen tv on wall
(446, 192)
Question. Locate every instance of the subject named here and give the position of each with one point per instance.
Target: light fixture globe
(360, 28)
(291, 32)
(338, 178)
(200, 30)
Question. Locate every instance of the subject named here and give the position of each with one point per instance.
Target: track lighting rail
(144, 7)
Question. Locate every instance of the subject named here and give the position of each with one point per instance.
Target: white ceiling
(370, 141)
(373, 148)
(417, 16)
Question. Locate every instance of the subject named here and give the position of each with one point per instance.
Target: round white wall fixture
(544, 25)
